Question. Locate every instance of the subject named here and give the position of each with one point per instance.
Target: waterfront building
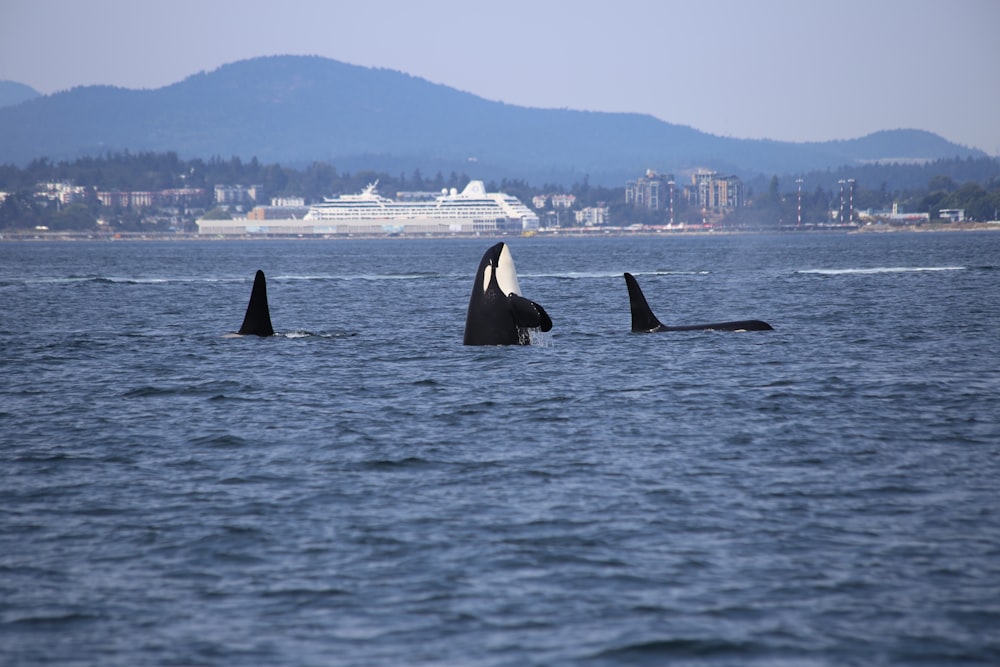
(563, 201)
(711, 192)
(61, 191)
(297, 202)
(592, 216)
(649, 192)
(237, 194)
(147, 199)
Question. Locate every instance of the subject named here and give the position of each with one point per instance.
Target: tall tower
(840, 216)
(798, 182)
(850, 186)
(670, 185)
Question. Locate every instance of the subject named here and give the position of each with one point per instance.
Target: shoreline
(592, 233)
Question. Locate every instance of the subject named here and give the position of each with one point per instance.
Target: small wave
(305, 597)
(679, 648)
(288, 277)
(54, 620)
(100, 280)
(211, 387)
(574, 275)
(316, 334)
(110, 280)
(590, 275)
(389, 465)
(325, 277)
(880, 269)
(417, 275)
(41, 458)
(665, 272)
(223, 441)
(142, 392)
(122, 280)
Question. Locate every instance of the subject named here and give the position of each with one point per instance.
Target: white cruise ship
(473, 210)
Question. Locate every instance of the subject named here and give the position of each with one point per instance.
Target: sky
(790, 70)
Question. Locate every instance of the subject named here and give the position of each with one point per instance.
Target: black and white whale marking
(644, 321)
(257, 321)
(498, 314)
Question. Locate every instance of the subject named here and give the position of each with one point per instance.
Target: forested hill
(12, 93)
(297, 109)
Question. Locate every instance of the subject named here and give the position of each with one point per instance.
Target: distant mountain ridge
(299, 109)
(12, 93)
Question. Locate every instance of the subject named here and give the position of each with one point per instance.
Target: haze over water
(363, 489)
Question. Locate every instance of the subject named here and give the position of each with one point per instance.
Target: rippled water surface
(361, 489)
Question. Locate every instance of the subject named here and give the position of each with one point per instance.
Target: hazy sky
(797, 70)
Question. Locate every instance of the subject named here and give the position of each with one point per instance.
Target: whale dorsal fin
(257, 321)
(643, 318)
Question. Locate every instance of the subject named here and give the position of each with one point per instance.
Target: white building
(592, 216)
(236, 194)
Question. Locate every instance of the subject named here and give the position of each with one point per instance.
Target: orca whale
(257, 321)
(644, 321)
(498, 314)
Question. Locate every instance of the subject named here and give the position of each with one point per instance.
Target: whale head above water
(257, 321)
(644, 321)
(498, 314)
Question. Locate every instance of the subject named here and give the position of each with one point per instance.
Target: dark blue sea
(362, 489)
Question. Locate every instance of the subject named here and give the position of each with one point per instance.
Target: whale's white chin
(506, 273)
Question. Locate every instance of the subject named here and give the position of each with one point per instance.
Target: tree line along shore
(773, 203)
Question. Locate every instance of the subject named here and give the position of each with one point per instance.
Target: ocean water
(362, 489)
